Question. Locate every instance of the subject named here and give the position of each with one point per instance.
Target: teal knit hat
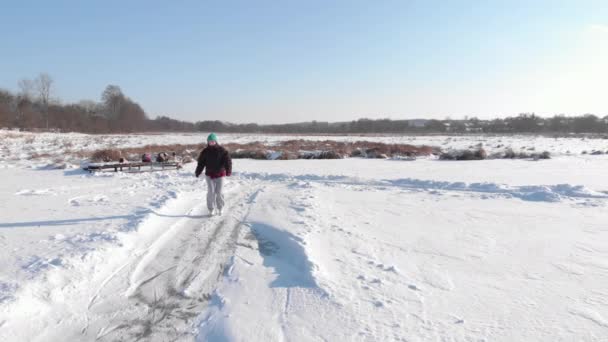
(212, 137)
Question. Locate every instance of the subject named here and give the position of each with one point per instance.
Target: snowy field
(307, 250)
(17, 149)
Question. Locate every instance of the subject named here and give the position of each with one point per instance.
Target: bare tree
(89, 107)
(113, 99)
(22, 100)
(5, 113)
(43, 86)
(26, 88)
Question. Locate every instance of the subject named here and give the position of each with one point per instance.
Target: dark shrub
(478, 154)
(107, 155)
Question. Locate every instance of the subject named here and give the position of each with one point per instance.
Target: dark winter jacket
(216, 161)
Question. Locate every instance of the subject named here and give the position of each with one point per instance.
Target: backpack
(162, 157)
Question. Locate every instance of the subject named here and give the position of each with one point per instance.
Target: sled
(133, 166)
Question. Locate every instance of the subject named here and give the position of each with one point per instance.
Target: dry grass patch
(106, 155)
(39, 155)
(286, 150)
(477, 154)
(480, 154)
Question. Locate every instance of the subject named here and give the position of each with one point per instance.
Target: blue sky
(289, 61)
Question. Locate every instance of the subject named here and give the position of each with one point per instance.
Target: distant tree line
(33, 108)
(523, 123)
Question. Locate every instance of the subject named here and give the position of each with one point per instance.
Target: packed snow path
(168, 282)
(350, 250)
(154, 288)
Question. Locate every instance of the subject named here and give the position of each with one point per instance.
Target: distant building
(469, 127)
(418, 123)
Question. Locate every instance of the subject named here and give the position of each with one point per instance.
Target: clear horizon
(266, 63)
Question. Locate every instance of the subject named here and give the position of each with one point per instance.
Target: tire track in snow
(173, 280)
(137, 258)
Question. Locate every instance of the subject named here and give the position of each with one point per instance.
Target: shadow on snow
(68, 222)
(283, 252)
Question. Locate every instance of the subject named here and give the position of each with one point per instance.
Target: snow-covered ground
(307, 250)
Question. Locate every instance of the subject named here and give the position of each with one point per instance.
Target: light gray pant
(214, 193)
